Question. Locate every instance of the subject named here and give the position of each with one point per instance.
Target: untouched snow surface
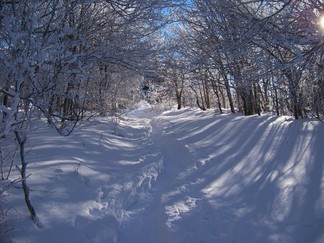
(180, 176)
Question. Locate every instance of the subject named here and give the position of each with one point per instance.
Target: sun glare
(321, 22)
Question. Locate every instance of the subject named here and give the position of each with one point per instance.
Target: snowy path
(216, 186)
(153, 221)
(177, 177)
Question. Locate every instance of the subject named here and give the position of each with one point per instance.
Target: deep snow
(177, 176)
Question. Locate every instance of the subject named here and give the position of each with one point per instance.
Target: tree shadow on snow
(258, 178)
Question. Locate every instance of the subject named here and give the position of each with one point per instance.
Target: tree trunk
(293, 92)
(248, 102)
(216, 91)
(201, 106)
(179, 102)
(21, 142)
(228, 89)
(257, 107)
(206, 94)
(178, 95)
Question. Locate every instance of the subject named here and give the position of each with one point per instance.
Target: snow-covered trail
(175, 177)
(153, 223)
(234, 179)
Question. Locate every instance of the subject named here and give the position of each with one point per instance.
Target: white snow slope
(180, 176)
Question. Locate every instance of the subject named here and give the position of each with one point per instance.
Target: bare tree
(260, 51)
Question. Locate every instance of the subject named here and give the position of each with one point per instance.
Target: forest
(66, 59)
(66, 62)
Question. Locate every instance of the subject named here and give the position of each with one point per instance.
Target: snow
(175, 176)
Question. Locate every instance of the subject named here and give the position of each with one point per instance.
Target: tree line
(248, 57)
